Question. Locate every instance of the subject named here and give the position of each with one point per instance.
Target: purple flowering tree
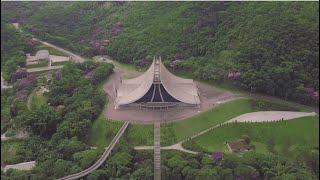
(57, 75)
(24, 85)
(217, 155)
(19, 74)
(239, 178)
(141, 62)
(116, 29)
(311, 92)
(177, 56)
(236, 75)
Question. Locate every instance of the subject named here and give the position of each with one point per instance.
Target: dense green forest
(268, 47)
(131, 164)
(13, 45)
(60, 129)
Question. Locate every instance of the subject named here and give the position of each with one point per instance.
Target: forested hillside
(268, 47)
(12, 49)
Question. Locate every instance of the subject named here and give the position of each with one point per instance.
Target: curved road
(74, 56)
(102, 158)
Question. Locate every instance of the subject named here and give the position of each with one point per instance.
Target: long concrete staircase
(157, 155)
(102, 158)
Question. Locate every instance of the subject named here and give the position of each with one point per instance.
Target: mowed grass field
(9, 150)
(171, 133)
(139, 134)
(283, 137)
(103, 131)
(181, 130)
(38, 99)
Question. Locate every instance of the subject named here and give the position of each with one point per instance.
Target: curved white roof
(131, 90)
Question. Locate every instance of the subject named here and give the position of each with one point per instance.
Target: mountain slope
(268, 47)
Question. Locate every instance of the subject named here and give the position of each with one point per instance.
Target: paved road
(102, 158)
(74, 56)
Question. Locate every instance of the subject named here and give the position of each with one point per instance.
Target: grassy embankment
(142, 134)
(38, 99)
(283, 137)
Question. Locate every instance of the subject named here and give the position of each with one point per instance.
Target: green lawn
(284, 137)
(103, 131)
(177, 131)
(8, 151)
(59, 63)
(128, 76)
(42, 73)
(129, 67)
(140, 134)
(42, 64)
(38, 99)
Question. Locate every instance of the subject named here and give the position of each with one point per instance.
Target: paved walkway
(267, 116)
(157, 154)
(20, 135)
(20, 166)
(104, 156)
(261, 116)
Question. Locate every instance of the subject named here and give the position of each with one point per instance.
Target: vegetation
(41, 64)
(15, 151)
(60, 131)
(276, 137)
(103, 131)
(269, 47)
(140, 134)
(59, 63)
(177, 131)
(38, 99)
(12, 46)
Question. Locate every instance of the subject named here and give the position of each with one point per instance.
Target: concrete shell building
(157, 88)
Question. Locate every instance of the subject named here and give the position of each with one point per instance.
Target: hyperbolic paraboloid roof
(131, 90)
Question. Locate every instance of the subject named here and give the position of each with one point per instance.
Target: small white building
(41, 56)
